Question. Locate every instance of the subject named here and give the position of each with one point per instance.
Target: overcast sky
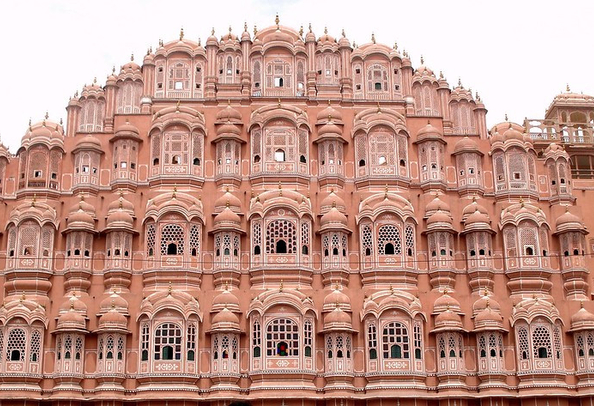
(517, 54)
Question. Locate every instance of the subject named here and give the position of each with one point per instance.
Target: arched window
(282, 338)
(168, 342)
(395, 341)
(172, 240)
(281, 234)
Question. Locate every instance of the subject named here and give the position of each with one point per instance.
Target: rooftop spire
(277, 21)
(373, 37)
(181, 34)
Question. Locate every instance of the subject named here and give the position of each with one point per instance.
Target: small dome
(473, 207)
(337, 299)
(332, 200)
(80, 219)
(484, 302)
(428, 132)
(466, 144)
(225, 320)
(329, 114)
(513, 134)
(435, 205)
(336, 319)
(333, 217)
(88, 142)
(476, 218)
(227, 200)
(445, 302)
(229, 130)
(121, 203)
(127, 128)
(329, 129)
(120, 218)
(225, 299)
(488, 318)
(227, 216)
(113, 319)
(448, 320)
(568, 221)
(440, 216)
(582, 320)
(229, 114)
(71, 320)
(114, 301)
(73, 303)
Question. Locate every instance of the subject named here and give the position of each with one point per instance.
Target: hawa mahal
(296, 220)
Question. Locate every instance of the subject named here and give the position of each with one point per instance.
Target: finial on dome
(486, 292)
(29, 122)
(170, 289)
(34, 200)
(177, 105)
(459, 82)
(567, 88)
(279, 102)
(280, 287)
(46, 115)
(181, 34)
(395, 47)
(386, 192)
(521, 201)
(506, 117)
(160, 42)
(373, 37)
(422, 60)
(255, 30)
(333, 204)
(301, 31)
(326, 30)
(174, 194)
(310, 27)
(379, 108)
(440, 74)
(230, 29)
(276, 21)
(343, 34)
(445, 291)
(23, 297)
(567, 209)
(131, 57)
(227, 204)
(391, 289)
(581, 304)
(113, 67)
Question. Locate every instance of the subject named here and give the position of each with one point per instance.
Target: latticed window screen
(367, 242)
(372, 341)
(377, 78)
(150, 239)
(257, 237)
(541, 342)
(172, 234)
(16, 344)
(418, 340)
(35, 351)
(382, 148)
(395, 341)
(523, 343)
(389, 234)
(281, 230)
(195, 240)
(305, 237)
(144, 341)
(409, 233)
(282, 338)
(168, 342)
(256, 338)
(191, 342)
(307, 338)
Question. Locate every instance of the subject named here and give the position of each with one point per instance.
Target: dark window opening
(171, 249)
(281, 247)
(257, 250)
(389, 249)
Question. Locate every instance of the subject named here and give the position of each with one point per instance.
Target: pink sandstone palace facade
(296, 221)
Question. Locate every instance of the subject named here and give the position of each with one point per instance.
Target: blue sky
(517, 55)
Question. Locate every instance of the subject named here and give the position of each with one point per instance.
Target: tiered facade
(296, 220)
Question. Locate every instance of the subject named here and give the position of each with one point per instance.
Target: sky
(517, 54)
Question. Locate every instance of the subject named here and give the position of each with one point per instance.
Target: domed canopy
(333, 220)
(113, 321)
(225, 299)
(467, 144)
(88, 142)
(337, 299)
(121, 203)
(582, 320)
(46, 132)
(445, 302)
(81, 217)
(448, 321)
(488, 319)
(429, 133)
(225, 320)
(229, 115)
(569, 222)
(227, 219)
(71, 321)
(329, 114)
(332, 200)
(435, 205)
(338, 320)
(119, 219)
(126, 131)
(228, 199)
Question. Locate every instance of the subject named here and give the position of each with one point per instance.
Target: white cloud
(517, 55)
